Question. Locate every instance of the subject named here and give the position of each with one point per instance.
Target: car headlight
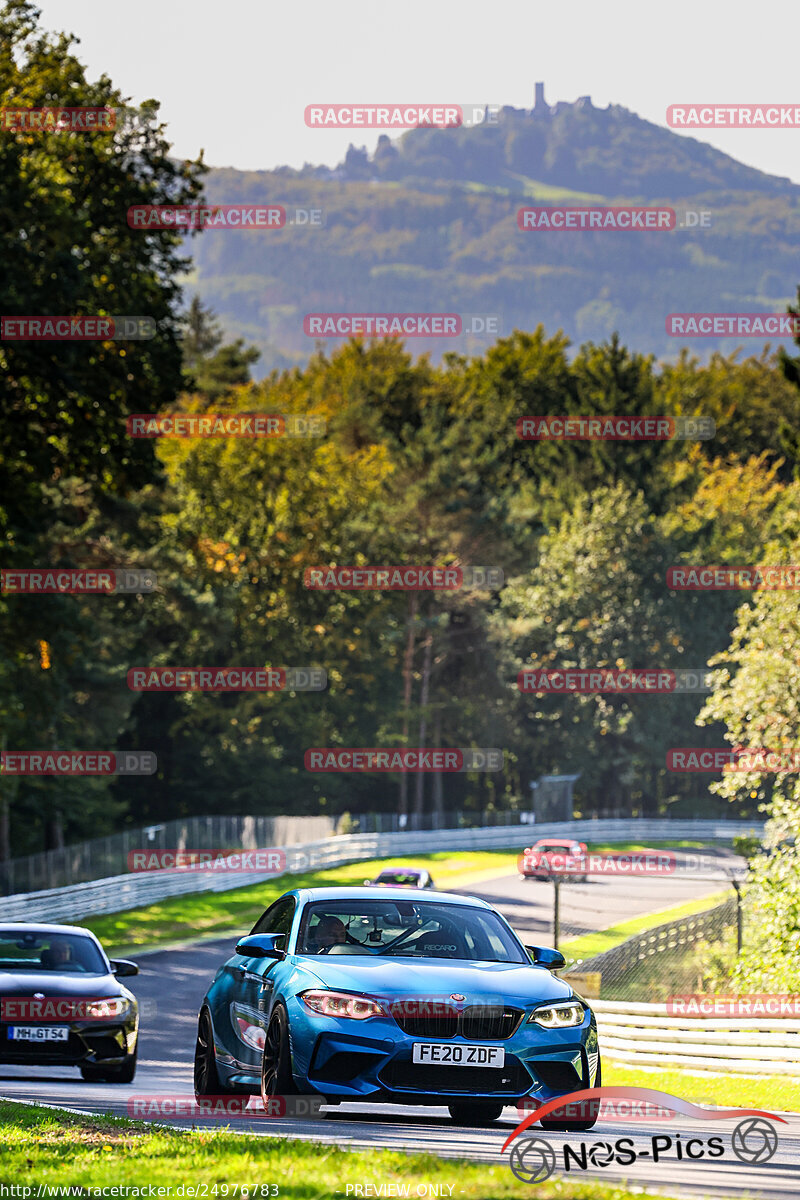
(558, 1016)
(341, 1004)
(105, 1009)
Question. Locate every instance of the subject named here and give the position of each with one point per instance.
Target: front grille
(482, 1021)
(510, 1080)
(441, 1024)
(487, 1022)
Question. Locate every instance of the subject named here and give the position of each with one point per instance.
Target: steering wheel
(391, 945)
(348, 938)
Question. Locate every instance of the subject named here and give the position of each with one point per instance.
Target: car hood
(479, 983)
(51, 983)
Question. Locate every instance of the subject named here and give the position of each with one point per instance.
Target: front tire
(475, 1115)
(578, 1126)
(276, 1066)
(124, 1074)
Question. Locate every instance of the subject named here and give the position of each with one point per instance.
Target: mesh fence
(99, 858)
(607, 925)
(690, 954)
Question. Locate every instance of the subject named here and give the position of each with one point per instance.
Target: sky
(234, 76)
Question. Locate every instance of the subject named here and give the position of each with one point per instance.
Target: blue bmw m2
(412, 997)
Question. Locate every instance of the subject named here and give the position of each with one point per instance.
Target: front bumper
(89, 1042)
(374, 1062)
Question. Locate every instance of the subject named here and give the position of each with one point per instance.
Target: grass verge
(40, 1146)
(776, 1093)
(590, 944)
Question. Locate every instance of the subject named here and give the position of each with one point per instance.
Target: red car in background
(562, 858)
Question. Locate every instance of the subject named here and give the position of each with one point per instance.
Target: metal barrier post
(556, 910)
(737, 887)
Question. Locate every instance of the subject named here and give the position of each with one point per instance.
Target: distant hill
(605, 152)
(429, 223)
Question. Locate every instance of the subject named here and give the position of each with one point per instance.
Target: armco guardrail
(614, 964)
(645, 1034)
(100, 858)
(122, 892)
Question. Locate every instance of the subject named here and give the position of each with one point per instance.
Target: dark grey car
(61, 1002)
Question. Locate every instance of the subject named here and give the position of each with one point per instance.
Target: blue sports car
(412, 997)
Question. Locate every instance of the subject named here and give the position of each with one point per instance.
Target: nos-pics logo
(533, 1159)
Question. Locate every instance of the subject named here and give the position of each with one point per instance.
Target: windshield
(54, 953)
(404, 877)
(407, 929)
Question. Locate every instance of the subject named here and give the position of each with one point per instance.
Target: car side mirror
(261, 945)
(543, 956)
(123, 966)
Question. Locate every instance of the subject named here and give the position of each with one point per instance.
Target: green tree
(598, 598)
(756, 697)
(70, 470)
(209, 366)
